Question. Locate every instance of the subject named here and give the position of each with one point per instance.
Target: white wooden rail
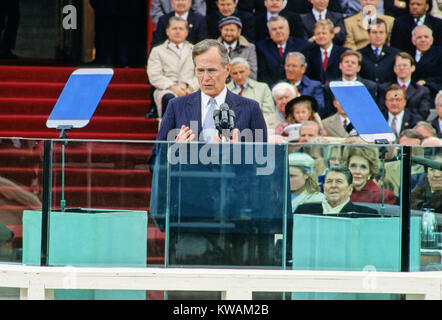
(37, 283)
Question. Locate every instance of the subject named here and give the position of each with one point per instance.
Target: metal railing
(39, 283)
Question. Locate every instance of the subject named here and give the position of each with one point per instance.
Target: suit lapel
(234, 105)
(193, 110)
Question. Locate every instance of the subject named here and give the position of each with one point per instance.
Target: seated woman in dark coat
(364, 164)
(338, 186)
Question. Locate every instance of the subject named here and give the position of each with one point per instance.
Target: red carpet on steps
(29, 93)
(97, 174)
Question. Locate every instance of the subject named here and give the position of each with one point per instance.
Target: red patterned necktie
(404, 87)
(281, 52)
(230, 51)
(325, 60)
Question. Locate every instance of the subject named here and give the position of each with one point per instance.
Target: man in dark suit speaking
(190, 117)
(338, 186)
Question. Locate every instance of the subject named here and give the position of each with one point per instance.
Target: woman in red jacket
(364, 164)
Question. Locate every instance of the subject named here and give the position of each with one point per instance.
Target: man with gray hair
(428, 59)
(295, 67)
(236, 44)
(190, 117)
(243, 85)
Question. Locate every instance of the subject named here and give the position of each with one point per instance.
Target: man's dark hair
(377, 22)
(341, 169)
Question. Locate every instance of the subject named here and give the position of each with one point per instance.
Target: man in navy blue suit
(377, 57)
(295, 67)
(276, 8)
(320, 11)
(272, 51)
(399, 118)
(428, 59)
(195, 21)
(323, 56)
(191, 117)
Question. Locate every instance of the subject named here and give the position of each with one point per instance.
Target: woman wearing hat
(298, 110)
(303, 187)
(363, 163)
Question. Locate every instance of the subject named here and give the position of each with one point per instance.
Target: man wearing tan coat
(170, 67)
(357, 26)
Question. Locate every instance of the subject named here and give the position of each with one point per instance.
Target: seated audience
(429, 195)
(236, 45)
(303, 187)
(243, 85)
(273, 51)
(196, 22)
(323, 56)
(437, 122)
(282, 93)
(418, 97)
(226, 8)
(276, 8)
(161, 7)
(428, 59)
(377, 57)
(356, 26)
(298, 110)
(320, 12)
(363, 163)
(399, 118)
(295, 67)
(338, 187)
(404, 25)
(170, 67)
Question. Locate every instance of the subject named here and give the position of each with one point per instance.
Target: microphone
(224, 120)
(224, 116)
(427, 163)
(231, 119)
(216, 118)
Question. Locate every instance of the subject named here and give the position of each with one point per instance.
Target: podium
(89, 238)
(221, 203)
(351, 244)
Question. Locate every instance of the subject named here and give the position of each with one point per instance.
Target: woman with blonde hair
(364, 164)
(303, 186)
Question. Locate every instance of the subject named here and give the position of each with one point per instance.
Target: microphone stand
(382, 150)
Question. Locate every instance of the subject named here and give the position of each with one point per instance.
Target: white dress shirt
(399, 118)
(220, 99)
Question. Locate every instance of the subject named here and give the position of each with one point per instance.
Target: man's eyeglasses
(211, 71)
